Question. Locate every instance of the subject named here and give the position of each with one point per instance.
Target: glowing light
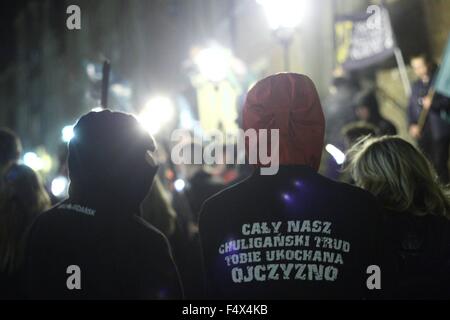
(121, 90)
(214, 63)
(157, 112)
(284, 13)
(337, 154)
(33, 161)
(287, 197)
(67, 133)
(179, 185)
(97, 109)
(60, 186)
(92, 72)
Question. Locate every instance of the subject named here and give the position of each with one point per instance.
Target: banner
(364, 39)
(442, 84)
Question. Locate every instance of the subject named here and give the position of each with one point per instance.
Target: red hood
(288, 102)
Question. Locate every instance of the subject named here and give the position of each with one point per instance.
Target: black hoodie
(98, 229)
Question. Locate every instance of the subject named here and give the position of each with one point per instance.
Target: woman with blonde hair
(416, 217)
(22, 198)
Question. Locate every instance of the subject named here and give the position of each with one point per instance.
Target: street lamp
(283, 17)
(213, 63)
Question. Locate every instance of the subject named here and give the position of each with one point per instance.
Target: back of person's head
(22, 198)
(288, 102)
(10, 148)
(107, 160)
(355, 131)
(399, 175)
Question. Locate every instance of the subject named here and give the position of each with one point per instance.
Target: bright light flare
(214, 63)
(284, 13)
(60, 186)
(67, 133)
(179, 185)
(33, 161)
(337, 154)
(157, 112)
(121, 90)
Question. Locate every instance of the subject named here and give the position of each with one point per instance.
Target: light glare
(337, 154)
(284, 13)
(158, 112)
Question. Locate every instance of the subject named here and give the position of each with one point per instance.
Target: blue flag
(442, 84)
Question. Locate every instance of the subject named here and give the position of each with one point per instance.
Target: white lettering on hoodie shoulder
(77, 208)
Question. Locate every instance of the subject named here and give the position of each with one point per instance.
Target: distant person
(355, 131)
(157, 209)
(417, 209)
(10, 150)
(22, 198)
(434, 137)
(295, 234)
(95, 245)
(339, 110)
(339, 105)
(352, 133)
(368, 110)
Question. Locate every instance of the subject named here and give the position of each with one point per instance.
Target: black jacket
(293, 235)
(119, 258)
(421, 252)
(437, 127)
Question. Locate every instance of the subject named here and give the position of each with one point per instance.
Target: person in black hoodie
(368, 110)
(295, 234)
(94, 245)
(416, 217)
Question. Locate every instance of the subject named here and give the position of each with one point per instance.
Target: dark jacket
(435, 126)
(235, 220)
(122, 259)
(98, 229)
(421, 252)
(11, 286)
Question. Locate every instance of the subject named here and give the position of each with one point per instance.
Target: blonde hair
(22, 198)
(399, 175)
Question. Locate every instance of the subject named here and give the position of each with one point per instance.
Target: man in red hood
(295, 234)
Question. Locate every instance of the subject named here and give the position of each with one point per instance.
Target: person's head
(355, 131)
(22, 198)
(288, 102)
(109, 160)
(367, 107)
(10, 148)
(399, 175)
(423, 66)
